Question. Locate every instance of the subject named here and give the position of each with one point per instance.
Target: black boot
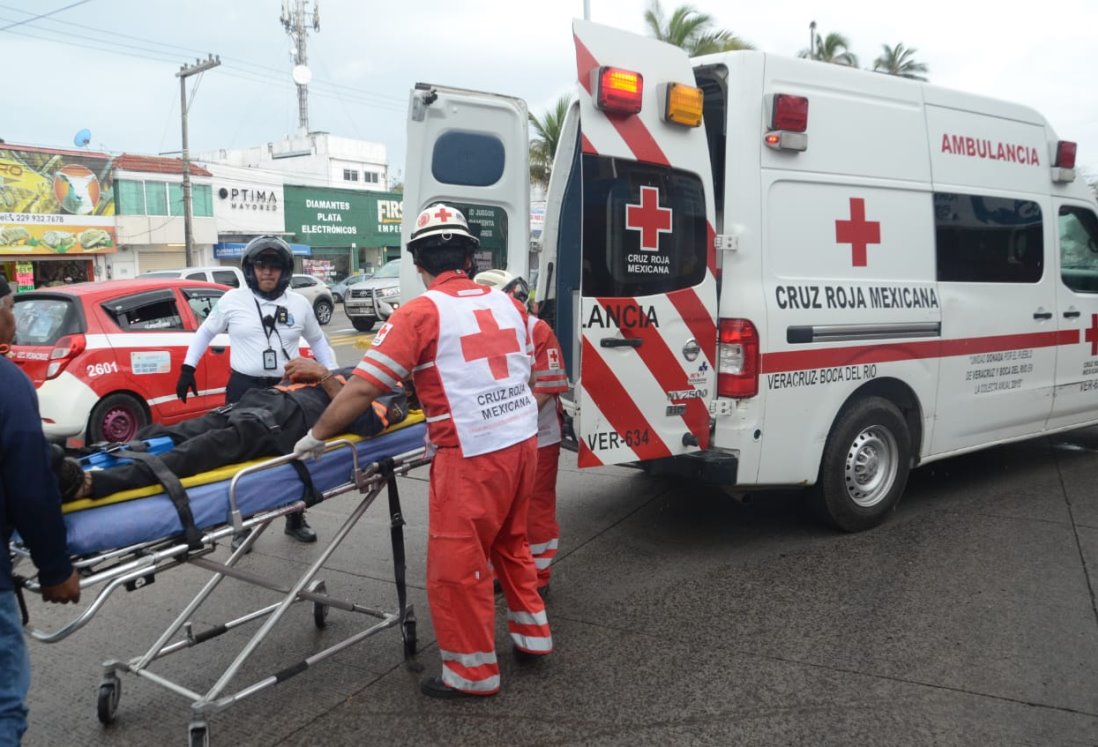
(298, 528)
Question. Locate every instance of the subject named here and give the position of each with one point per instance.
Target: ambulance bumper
(708, 466)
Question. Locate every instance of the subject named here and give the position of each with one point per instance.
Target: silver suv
(375, 298)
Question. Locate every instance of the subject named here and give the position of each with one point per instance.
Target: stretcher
(125, 540)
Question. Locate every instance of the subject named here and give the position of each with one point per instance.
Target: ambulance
(770, 272)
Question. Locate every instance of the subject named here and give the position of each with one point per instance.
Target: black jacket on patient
(265, 422)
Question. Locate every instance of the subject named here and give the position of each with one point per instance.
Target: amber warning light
(684, 105)
(619, 91)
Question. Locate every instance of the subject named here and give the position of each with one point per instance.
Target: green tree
(691, 30)
(900, 60)
(833, 48)
(543, 148)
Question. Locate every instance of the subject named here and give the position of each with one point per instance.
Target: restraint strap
(311, 496)
(175, 491)
(396, 532)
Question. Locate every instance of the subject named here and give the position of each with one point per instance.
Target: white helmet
(512, 285)
(444, 224)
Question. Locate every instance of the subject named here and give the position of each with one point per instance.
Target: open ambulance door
(470, 150)
(647, 287)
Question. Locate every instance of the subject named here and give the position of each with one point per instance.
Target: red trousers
(478, 515)
(542, 528)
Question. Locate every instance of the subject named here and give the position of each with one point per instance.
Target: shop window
(350, 175)
(131, 197)
(175, 199)
(988, 239)
(201, 201)
(156, 198)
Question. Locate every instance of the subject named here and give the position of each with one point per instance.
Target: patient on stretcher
(265, 422)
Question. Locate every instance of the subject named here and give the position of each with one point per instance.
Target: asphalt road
(679, 617)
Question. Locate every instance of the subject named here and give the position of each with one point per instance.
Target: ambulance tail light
(618, 91)
(1063, 165)
(64, 351)
(683, 105)
(788, 123)
(737, 359)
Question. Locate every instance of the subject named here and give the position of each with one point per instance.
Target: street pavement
(679, 616)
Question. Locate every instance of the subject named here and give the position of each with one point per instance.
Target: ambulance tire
(865, 465)
(363, 323)
(117, 417)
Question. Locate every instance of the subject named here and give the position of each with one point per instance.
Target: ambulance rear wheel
(865, 465)
(117, 417)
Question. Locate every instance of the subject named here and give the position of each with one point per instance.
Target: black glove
(186, 381)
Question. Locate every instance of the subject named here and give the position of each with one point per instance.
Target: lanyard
(268, 328)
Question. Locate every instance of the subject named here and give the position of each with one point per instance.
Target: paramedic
(29, 503)
(542, 529)
(470, 374)
(265, 322)
(264, 422)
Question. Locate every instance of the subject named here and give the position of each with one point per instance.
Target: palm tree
(543, 148)
(833, 48)
(900, 60)
(691, 30)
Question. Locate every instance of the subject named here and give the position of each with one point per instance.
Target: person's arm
(351, 401)
(214, 325)
(31, 496)
(322, 349)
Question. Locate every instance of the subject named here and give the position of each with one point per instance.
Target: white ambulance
(776, 272)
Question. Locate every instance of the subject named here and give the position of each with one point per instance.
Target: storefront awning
(235, 250)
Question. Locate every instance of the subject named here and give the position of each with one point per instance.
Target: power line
(43, 15)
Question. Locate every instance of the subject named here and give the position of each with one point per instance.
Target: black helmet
(272, 249)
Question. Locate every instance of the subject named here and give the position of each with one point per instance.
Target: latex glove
(186, 381)
(309, 446)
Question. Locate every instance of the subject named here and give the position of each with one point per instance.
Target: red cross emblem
(443, 214)
(491, 342)
(858, 232)
(1091, 335)
(648, 218)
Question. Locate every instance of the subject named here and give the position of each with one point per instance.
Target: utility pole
(294, 21)
(812, 40)
(186, 71)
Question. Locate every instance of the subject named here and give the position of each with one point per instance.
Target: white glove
(309, 446)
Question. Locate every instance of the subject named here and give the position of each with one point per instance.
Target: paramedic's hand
(64, 592)
(186, 381)
(309, 446)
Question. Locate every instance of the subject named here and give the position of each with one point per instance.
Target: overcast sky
(108, 65)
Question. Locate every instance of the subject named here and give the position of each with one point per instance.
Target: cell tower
(293, 18)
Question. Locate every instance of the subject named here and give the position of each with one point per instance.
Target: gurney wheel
(110, 690)
(320, 611)
(408, 633)
(198, 734)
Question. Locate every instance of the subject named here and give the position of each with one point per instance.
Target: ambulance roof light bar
(618, 91)
(1063, 163)
(788, 123)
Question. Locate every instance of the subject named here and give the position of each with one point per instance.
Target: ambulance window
(489, 223)
(644, 228)
(988, 239)
(474, 159)
(1079, 249)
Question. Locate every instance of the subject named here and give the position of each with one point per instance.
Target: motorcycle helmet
(268, 250)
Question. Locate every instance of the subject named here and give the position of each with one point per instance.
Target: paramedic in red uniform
(468, 352)
(550, 380)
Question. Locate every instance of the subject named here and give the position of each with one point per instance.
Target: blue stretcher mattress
(119, 525)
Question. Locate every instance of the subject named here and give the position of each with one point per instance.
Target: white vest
(483, 362)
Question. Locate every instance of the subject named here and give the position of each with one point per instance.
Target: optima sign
(249, 199)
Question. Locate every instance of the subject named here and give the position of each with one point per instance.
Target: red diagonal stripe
(586, 457)
(664, 366)
(616, 405)
(632, 130)
(699, 319)
(587, 147)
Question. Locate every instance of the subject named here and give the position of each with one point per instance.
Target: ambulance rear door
(470, 150)
(647, 302)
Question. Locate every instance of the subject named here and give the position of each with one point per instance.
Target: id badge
(270, 360)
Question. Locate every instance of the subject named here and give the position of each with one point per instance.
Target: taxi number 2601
(101, 369)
